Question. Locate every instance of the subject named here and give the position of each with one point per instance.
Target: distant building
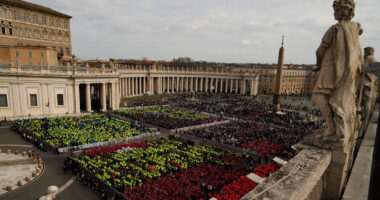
(34, 26)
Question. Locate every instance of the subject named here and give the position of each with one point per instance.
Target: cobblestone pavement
(53, 175)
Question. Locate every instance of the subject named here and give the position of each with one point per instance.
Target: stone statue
(339, 65)
(369, 56)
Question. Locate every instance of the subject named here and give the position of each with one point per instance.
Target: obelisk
(280, 68)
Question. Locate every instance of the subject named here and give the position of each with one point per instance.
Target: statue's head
(369, 51)
(344, 10)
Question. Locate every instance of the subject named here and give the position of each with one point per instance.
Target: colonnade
(136, 86)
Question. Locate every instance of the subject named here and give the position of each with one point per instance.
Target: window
(66, 25)
(1, 12)
(10, 28)
(17, 54)
(51, 22)
(28, 33)
(68, 51)
(3, 100)
(60, 99)
(9, 14)
(42, 54)
(36, 33)
(44, 21)
(35, 19)
(33, 100)
(59, 24)
(17, 16)
(27, 17)
(30, 54)
(19, 32)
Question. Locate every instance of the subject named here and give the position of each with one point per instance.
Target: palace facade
(35, 28)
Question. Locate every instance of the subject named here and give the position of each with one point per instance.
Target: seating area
(73, 131)
(166, 116)
(169, 169)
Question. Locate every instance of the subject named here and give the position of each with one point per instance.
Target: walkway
(53, 175)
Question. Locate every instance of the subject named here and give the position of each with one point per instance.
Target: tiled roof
(32, 6)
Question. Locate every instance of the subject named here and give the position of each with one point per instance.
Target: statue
(369, 56)
(339, 65)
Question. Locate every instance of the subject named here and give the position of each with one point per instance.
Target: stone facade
(28, 24)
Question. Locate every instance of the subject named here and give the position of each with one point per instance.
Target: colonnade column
(206, 85)
(144, 86)
(177, 87)
(201, 84)
(191, 84)
(173, 84)
(113, 96)
(226, 86)
(236, 85)
(129, 86)
(242, 87)
(231, 84)
(103, 97)
(216, 85)
(133, 86)
(88, 97)
(196, 84)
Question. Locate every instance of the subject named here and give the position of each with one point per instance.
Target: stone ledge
(295, 180)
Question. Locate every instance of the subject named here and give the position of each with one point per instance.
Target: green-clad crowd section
(73, 131)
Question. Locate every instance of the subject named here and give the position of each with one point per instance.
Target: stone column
(226, 85)
(196, 84)
(103, 97)
(216, 85)
(173, 84)
(77, 98)
(201, 84)
(237, 86)
(182, 84)
(133, 86)
(144, 85)
(88, 98)
(129, 86)
(191, 84)
(177, 87)
(206, 85)
(113, 96)
(231, 85)
(140, 86)
(242, 88)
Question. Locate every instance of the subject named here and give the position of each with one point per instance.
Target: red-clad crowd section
(111, 149)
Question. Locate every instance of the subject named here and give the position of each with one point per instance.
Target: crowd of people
(168, 169)
(166, 116)
(74, 131)
(267, 141)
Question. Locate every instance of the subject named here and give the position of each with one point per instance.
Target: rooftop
(36, 7)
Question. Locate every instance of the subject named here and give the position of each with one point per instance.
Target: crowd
(267, 141)
(168, 169)
(166, 116)
(74, 131)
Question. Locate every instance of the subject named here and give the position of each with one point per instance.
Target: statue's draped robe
(338, 76)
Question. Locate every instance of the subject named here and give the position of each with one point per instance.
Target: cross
(283, 37)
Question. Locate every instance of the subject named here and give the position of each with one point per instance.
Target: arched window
(19, 31)
(28, 33)
(52, 35)
(59, 36)
(46, 34)
(36, 33)
(2, 27)
(26, 17)
(67, 38)
(10, 28)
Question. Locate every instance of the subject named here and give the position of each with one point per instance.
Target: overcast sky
(212, 30)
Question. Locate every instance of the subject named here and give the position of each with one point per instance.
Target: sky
(239, 31)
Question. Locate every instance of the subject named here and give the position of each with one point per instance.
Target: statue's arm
(325, 44)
